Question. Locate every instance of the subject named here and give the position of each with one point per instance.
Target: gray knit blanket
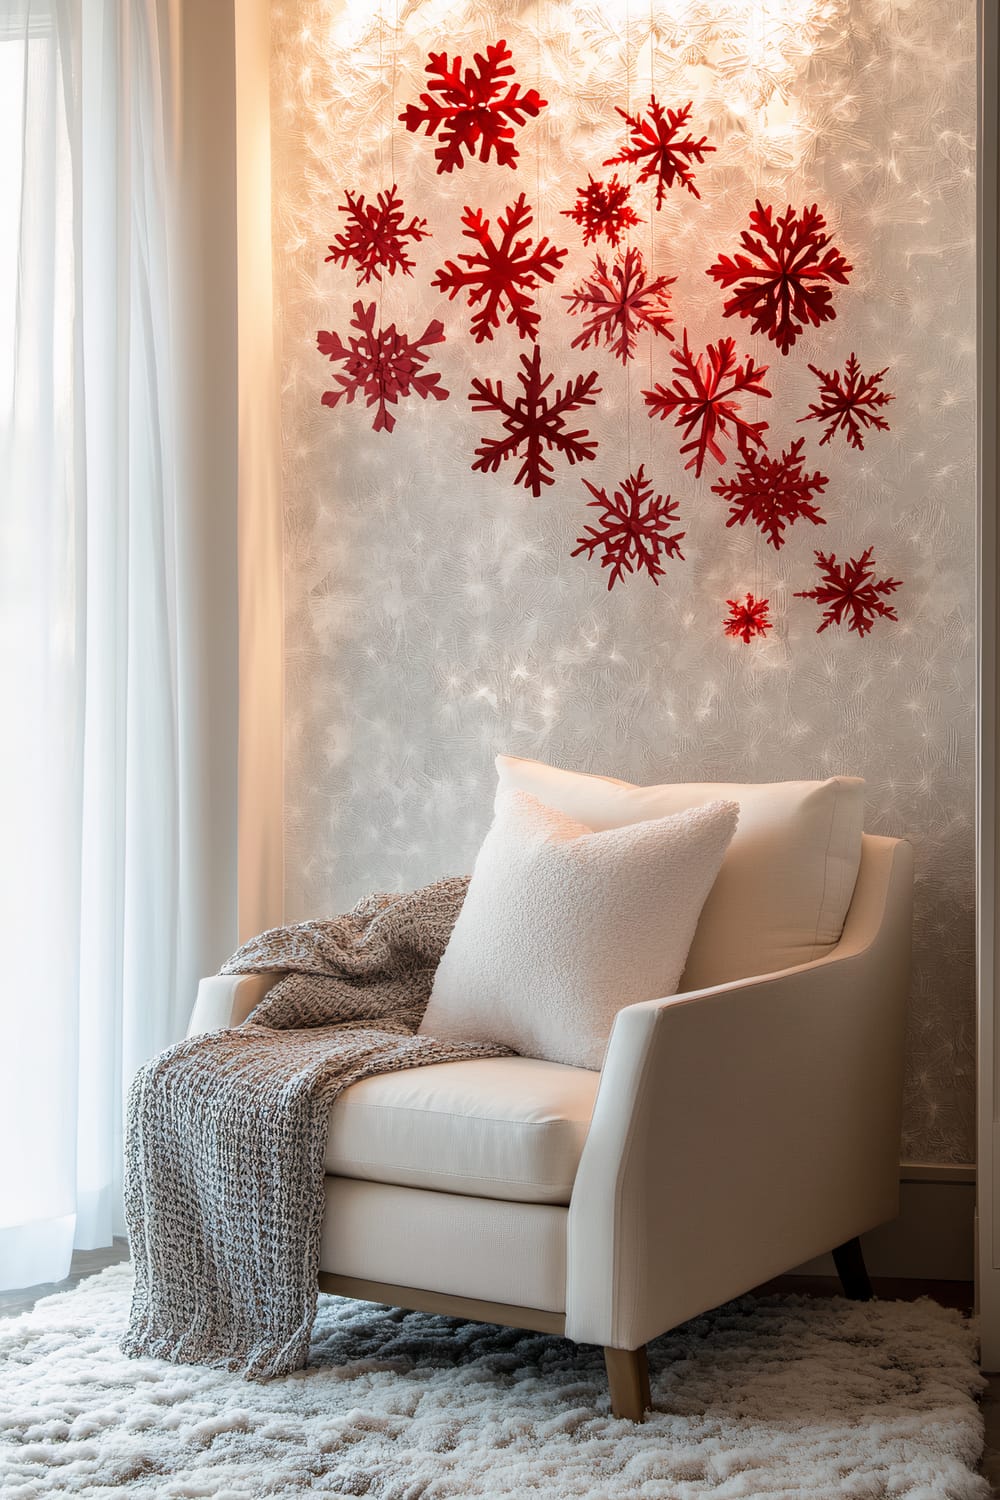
(226, 1132)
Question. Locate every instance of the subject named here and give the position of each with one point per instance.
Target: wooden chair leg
(850, 1262)
(628, 1380)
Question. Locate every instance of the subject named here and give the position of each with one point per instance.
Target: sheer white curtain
(99, 941)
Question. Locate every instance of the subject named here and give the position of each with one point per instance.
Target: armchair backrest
(785, 885)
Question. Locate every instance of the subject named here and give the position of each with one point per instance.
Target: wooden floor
(949, 1293)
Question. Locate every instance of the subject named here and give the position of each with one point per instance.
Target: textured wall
(435, 616)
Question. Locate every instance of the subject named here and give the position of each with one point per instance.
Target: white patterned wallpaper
(435, 616)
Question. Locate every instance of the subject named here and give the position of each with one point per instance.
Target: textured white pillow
(786, 881)
(562, 926)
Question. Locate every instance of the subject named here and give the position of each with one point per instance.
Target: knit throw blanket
(226, 1132)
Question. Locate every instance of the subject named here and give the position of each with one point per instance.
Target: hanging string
(652, 231)
(392, 107)
(538, 125)
(380, 22)
(628, 237)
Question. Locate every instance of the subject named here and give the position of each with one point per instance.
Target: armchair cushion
(786, 881)
(562, 926)
(498, 1127)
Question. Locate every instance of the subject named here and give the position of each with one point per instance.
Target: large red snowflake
(633, 531)
(783, 275)
(477, 108)
(618, 302)
(772, 492)
(534, 423)
(658, 149)
(383, 366)
(701, 400)
(851, 405)
(851, 591)
(602, 208)
(375, 236)
(747, 618)
(503, 272)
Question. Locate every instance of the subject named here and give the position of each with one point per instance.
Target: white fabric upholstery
(740, 1130)
(563, 926)
(786, 881)
(227, 999)
(445, 1242)
(498, 1127)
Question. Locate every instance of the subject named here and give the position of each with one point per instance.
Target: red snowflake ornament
(658, 149)
(633, 530)
(772, 493)
(384, 367)
(850, 591)
(477, 108)
(783, 275)
(701, 400)
(747, 618)
(851, 405)
(602, 208)
(534, 423)
(618, 302)
(503, 272)
(375, 236)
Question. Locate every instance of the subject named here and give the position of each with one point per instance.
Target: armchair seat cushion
(499, 1127)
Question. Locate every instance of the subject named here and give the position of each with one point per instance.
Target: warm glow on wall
(797, 605)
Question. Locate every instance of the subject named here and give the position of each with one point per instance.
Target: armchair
(733, 1133)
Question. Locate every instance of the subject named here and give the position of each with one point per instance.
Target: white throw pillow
(786, 881)
(562, 926)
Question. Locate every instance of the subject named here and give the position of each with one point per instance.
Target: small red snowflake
(657, 149)
(384, 366)
(619, 302)
(772, 492)
(474, 108)
(503, 272)
(534, 422)
(603, 208)
(700, 399)
(375, 236)
(633, 530)
(850, 591)
(747, 618)
(783, 280)
(851, 405)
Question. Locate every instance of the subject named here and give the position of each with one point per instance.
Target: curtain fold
(95, 676)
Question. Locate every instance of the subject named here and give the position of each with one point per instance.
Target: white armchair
(733, 1133)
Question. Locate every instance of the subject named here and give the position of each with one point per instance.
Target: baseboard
(933, 1239)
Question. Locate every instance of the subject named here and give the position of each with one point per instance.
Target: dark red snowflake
(501, 273)
(700, 399)
(384, 366)
(784, 273)
(747, 618)
(658, 149)
(633, 531)
(850, 591)
(376, 235)
(534, 423)
(477, 108)
(602, 208)
(618, 302)
(850, 406)
(772, 492)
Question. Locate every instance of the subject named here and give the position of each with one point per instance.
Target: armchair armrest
(741, 1129)
(225, 1000)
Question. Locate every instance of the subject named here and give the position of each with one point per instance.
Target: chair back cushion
(782, 894)
(562, 926)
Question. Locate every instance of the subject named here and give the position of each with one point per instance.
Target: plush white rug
(780, 1396)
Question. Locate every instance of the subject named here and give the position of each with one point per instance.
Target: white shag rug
(778, 1397)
